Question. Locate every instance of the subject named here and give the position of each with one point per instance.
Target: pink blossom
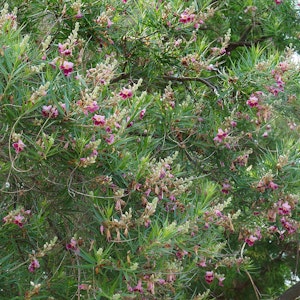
(258, 234)
(223, 51)
(186, 17)
(19, 146)
(273, 185)
(63, 50)
(99, 120)
(209, 277)
(250, 240)
(138, 287)
(49, 111)
(150, 287)
(126, 93)
(226, 187)
(129, 123)
(278, 1)
(221, 279)
(83, 287)
(142, 113)
(274, 90)
(283, 66)
(73, 246)
(252, 101)
(284, 209)
(91, 107)
(110, 139)
(288, 226)
(218, 213)
(67, 68)
(161, 281)
(33, 265)
(177, 42)
(79, 14)
(108, 129)
(171, 277)
(147, 193)
(197, 25)
(63, 106)
(233, 123)
(221, 135)
(102, 229)
(202, 263)
(265, 134)
(18, 220)
(279, 81)
(109, 23)
(272, 229)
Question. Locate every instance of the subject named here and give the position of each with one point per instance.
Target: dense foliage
(149, 149)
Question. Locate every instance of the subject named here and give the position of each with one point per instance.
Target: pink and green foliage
(148, 152)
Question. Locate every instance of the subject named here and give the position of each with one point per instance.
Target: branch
(242, 43)
(202, 80)
(292, 293)
(120, 77)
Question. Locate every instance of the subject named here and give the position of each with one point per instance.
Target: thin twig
(200, 79)
(257, 293)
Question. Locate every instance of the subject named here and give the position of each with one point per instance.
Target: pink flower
(233, 123)
(49, 111)
(252, 101)
(272, 229)
(258, 234)
(202, 263)
(284, 66)
(150, 287)
(284, 209)
(265, 134)
(250, 240)
(218, 213)
(92, 107)
(273, 185)
(18, 220)
(186, 17)
(84, 287)
(79, 14)
(221, 135)
(129, 123)
(278, 1)
(19, 146)
(126, 93)
(110, 139)
(209, 277)
(109, 23)
(99, 120)
(67, 68)
(73, 246)
(288, 226)
(221, 279)
(138, 287)
(63, 50)
(142, 113)
(33, 265)
(226, 187)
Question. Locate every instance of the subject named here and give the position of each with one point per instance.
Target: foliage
(148, 152)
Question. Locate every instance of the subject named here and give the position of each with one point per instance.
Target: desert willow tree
(149, 149)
